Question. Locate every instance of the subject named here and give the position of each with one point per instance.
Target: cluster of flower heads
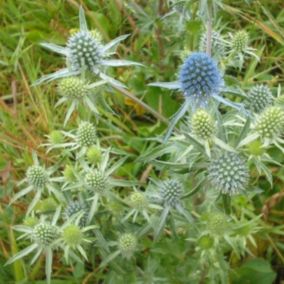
(65, 210)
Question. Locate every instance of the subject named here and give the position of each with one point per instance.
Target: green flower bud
(217, 223)
(37, 176)
(73, 87)
(138, 200)
(94, 154)
(86, 134)
(127, 244)
(240, 41)
(72, 235)
(202, 124)
(96, 181)
(271, 122)
(259, 97)
(229, 173)
(45, 234)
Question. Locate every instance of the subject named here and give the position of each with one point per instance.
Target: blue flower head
(200, 78)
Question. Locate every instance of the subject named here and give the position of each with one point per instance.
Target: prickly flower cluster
(45, 234)
(86, 134)
(76, 208)
(200, 77)
(84, 51)
(73, 87)
(96, 181)
(171, 192)
(259, 97)
(270, 123)
(240, 41)
(202, 124)
(37, 176)
(229, 173)
(127, 244)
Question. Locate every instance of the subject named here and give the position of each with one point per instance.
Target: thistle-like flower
(202, 124)
(86, 134)
(240, 49)
(81, 138)
(73, 238)
(139, 204)
(240, 41)
(270, 123)
(85, 52)
(229, 173)
(79, 209)
(259, 97)
(171, 192)
(127, 244)
(200, 80)
(45, 238)
(169, 197)
(96, 181)
(38, 179)
(76, 91)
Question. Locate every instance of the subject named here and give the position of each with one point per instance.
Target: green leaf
(256, 270)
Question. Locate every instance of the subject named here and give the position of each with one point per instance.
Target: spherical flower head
(229, 173)
(217, 44)
(37, 176)
(200, 77)
(85, 51)
(94, 154)
(217, 223)
(202, 124)
(240, 41)
(45, 234)
(96, 181)
(56, 137)
(86, 134)
(259, 97)
(75, 207)
(138, 200)
(72, 235)
(171, 192)
(73, 87)
(270, 123)
(127, 244)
